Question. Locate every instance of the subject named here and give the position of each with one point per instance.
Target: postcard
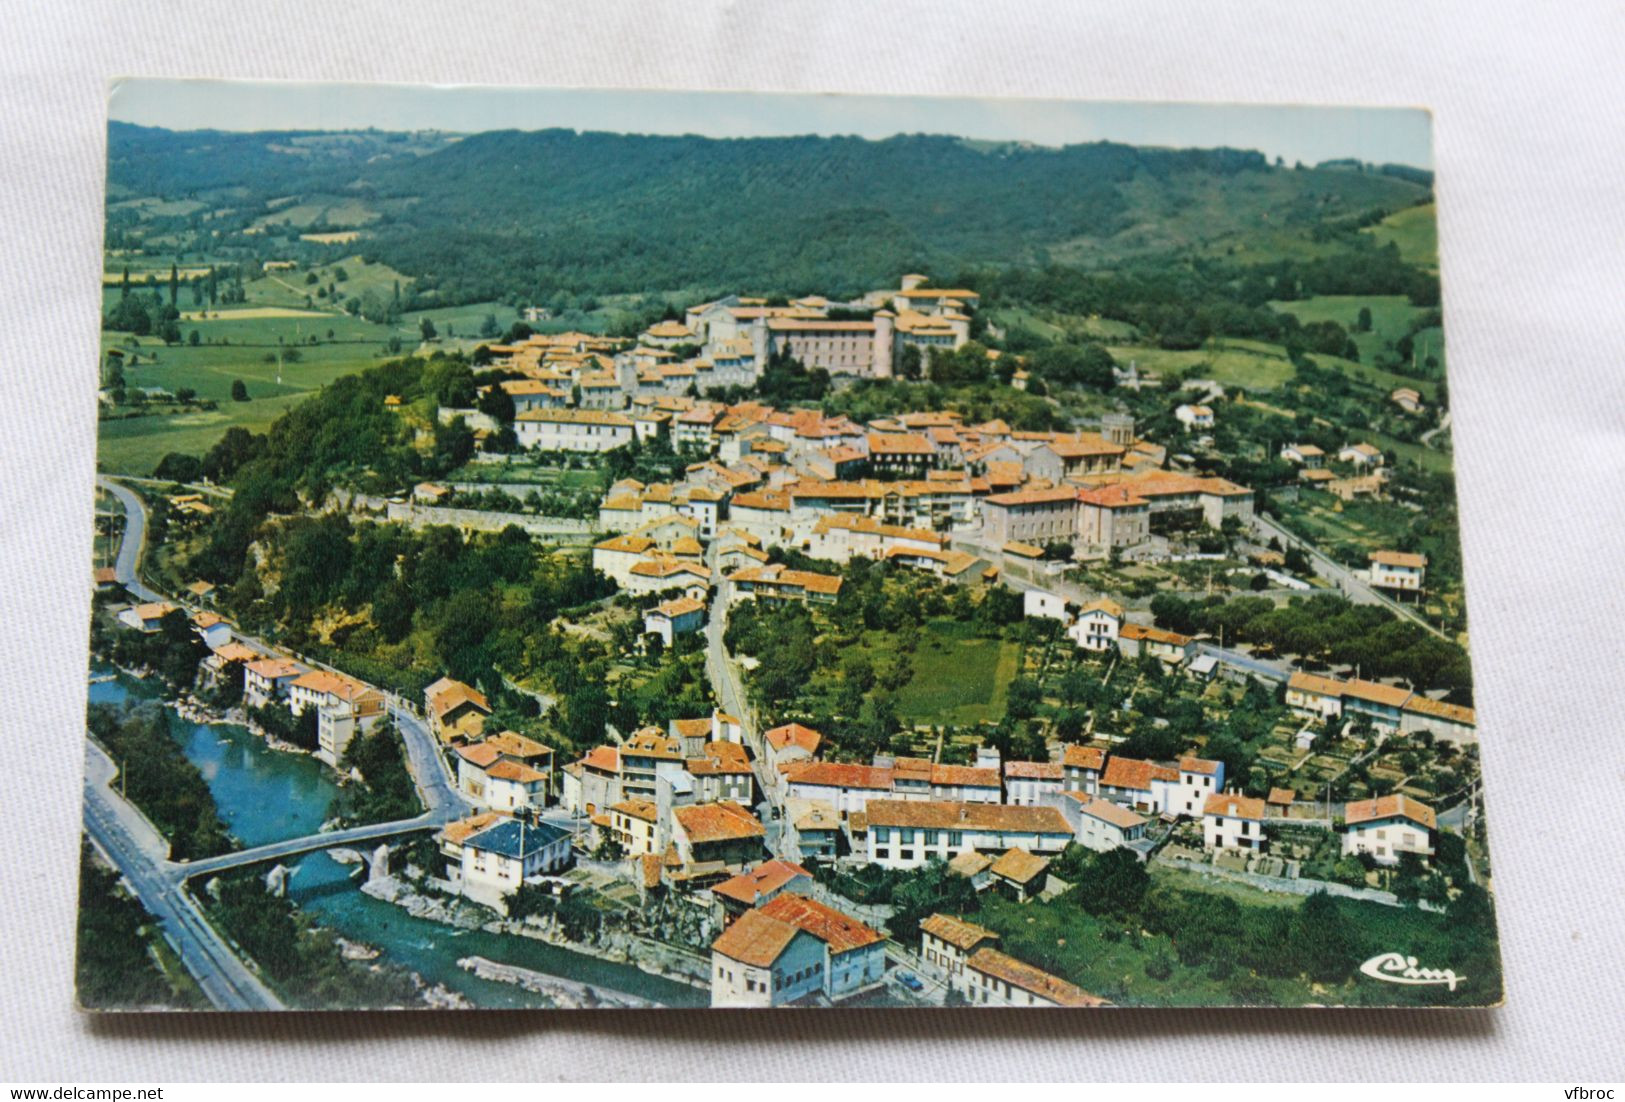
(609, 549)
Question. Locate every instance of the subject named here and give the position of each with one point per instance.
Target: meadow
(1415, 230)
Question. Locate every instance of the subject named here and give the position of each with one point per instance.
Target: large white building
(905, 834)
(1388, 826)
(573, 430)
(793, 948)
(501, 857)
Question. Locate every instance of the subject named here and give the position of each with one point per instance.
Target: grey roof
(505, 838)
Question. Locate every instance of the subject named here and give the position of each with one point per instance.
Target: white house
(1199, 778)
(1027, 783)
(679, 616)
(1389, 826)
(498, 859)
(344, 707)
(267, 679)
(1142, 785)
(1304, 455)
(1098, 625)
(573, 430)
(145, 617)
(1099, 824)
(1361, 455)
(1229, 820)
(792, 947)
(1399, 570)
(211, 628)
(844, 786)
(1035, 603)
(1194, 417)
(492, 781)
(946, 943)
(993, 978)
(905, 834)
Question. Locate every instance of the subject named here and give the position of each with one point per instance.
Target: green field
(1415, 230)
(959, 677)
(134, 445)
(1251, 365)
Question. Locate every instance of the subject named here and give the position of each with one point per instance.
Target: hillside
(529, 215)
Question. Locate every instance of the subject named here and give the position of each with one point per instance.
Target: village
(1025, 561)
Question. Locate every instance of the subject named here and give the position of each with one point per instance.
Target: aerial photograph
(593, 550)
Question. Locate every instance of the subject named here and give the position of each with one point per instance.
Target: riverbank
(621, 949)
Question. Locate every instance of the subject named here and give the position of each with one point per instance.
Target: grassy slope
(1415, 230)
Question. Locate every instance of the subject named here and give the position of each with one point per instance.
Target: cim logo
(1398, 968)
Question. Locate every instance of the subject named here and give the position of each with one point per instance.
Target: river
(266, 795)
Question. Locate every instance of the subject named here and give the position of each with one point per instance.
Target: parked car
(910, 981)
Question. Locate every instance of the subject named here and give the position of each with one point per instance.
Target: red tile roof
(1390, 807)
(764, 879)
(840, 932)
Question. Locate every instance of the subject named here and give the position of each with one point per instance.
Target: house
(722, 831)
(1231, 820)
(899, 454)
(428, 493)
(1019, 874)
(1081, 767)
(1036, 604)
(946, 943)
(344, 708)
(759, 885)
(1407, 399)
(211, 628)
(722, 771)
(776, 582)
(974, 867)
(846, 787)
(1382, 704)
(811, 829)
(994, 979)
(791, 742)
(1304, 455)
(1398, 570)
(905, 834)
(492, 781)
(1199, 778)
(1141, 785)
(1279, 802)
(1194, 417)
(1030, 516)
(1026, 783)
(146, 617)
(267, 679)
(1361, 455)
(1170, 646)
(574, 430)
(498, 859)
(1311, 694)
(791, 949)
(1100, 825)
(221, 659)
(1388, 826)
(455, 710)
(104, 579)
(679, 616)
(1098, 625)
(634, 826)
(1449, 722)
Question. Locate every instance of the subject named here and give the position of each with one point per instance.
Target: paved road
(1352, 585)
(1273, 671)
(133, 847)
(134, 541)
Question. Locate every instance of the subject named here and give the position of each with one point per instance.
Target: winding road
(141, 854)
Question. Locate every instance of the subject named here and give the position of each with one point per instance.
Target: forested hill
(524, 214)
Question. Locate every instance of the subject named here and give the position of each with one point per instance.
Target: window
(932, 837)
(905, 855)
(908, 835)
(882, 854)
(956, 838)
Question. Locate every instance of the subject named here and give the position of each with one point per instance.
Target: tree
(1115, 884)
(426, 327)
(1362, 324)
(239, 391)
